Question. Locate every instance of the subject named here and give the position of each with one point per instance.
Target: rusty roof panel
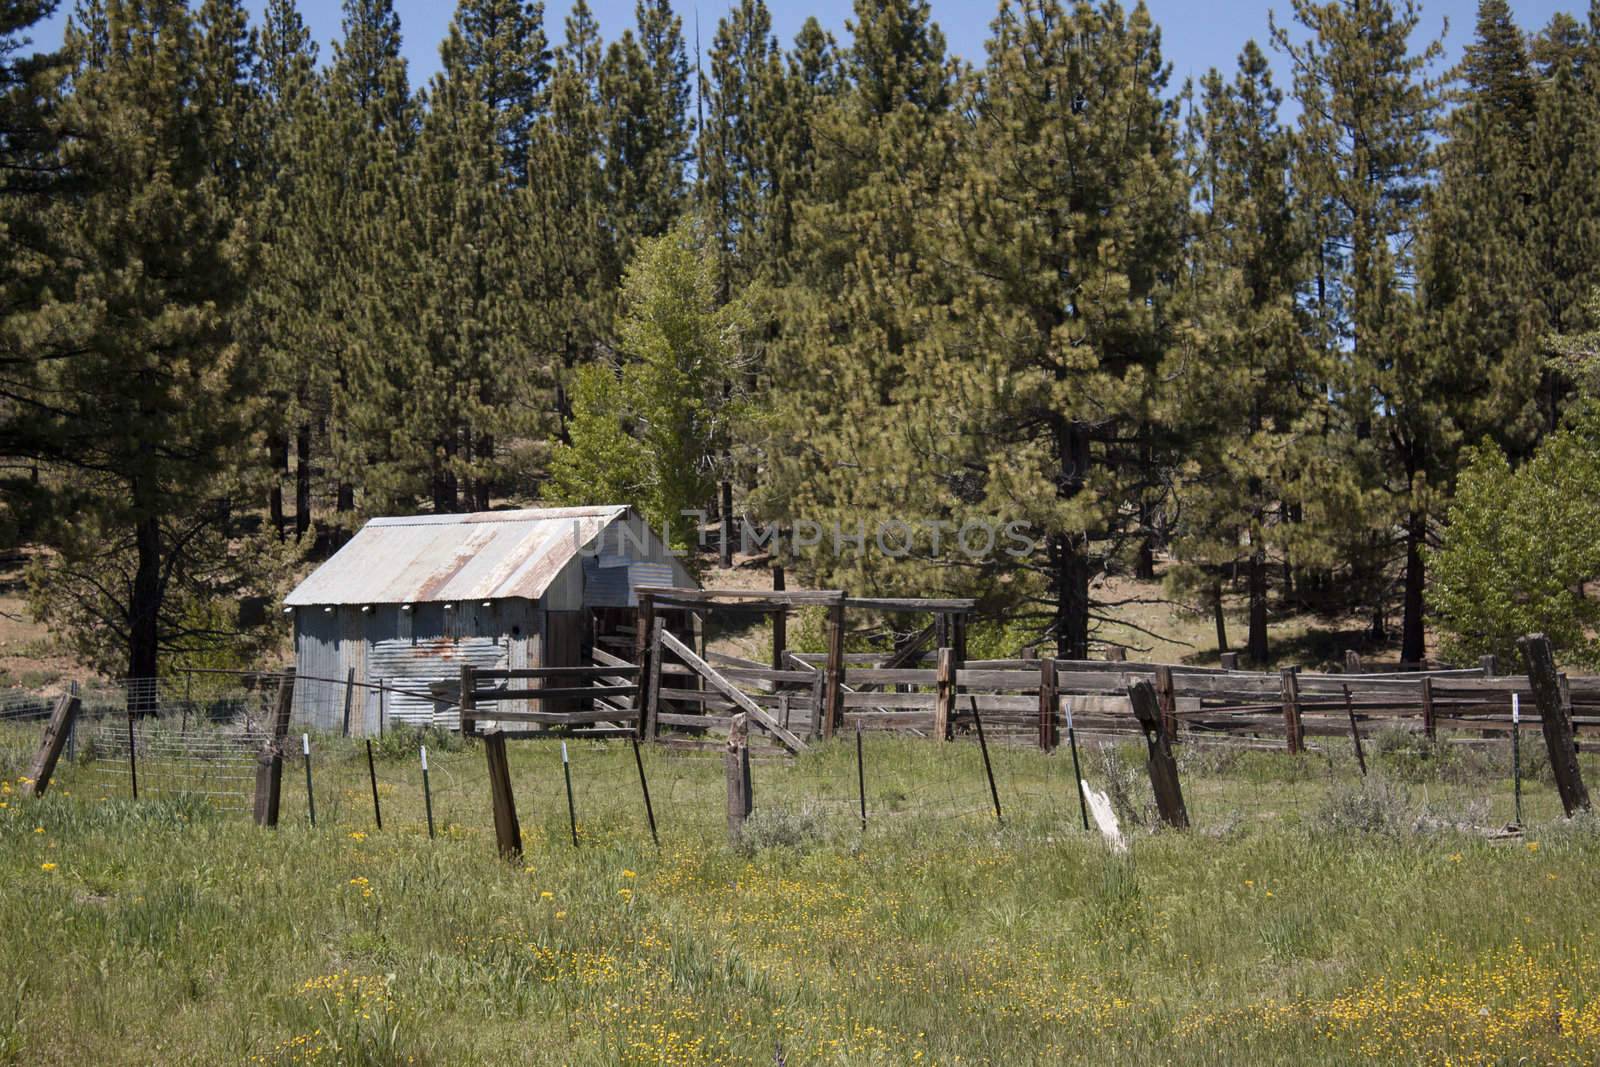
(483, 556)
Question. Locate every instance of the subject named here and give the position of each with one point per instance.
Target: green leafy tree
(1518, 553)
(653, 425)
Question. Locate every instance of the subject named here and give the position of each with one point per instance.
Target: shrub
(780, 826)
(1377, 806)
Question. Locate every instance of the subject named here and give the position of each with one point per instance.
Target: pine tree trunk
(1258, 609)
(1218, 616)
(1070, 565)
(1145, 567)
(278, 462)
(144, 613)
(1411, 632)
(302, 480)
(726, 510)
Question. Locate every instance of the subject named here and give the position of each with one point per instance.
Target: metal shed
(410, 599)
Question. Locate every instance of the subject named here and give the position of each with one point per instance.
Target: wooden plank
(748, 706)
(861, 677)
(618, 667)
(881, 603)
(1546, 685)
(789, 598)
(891, 700)
(708, 722)
(578, 692)
(1428, 726)
(56, 730)
(560, 718)
(986, 679)
(269, 763)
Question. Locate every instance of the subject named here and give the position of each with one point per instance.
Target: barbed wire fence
(201, 737)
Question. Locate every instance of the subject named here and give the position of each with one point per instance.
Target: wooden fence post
(1489, 665)
(1168, 701)
(1291, 710)
(1163, 768)
(56, 732)
(833, 713)
(736, 761)
(507, 832)
(1049, 700)
(1429, 727)
(780, 623)
(1352, 661)
(1116, 654)
(1546, 686)
(468, 702)
(944, 704)
(269, 763)
(1229, 661)
(650, 724)
(349, 697)
(645, 647)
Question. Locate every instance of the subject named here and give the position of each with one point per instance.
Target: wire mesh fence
(201, 738)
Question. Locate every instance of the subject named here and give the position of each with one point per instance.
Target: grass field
(1304, 920)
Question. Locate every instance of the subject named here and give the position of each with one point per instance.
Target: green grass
(1277, 931)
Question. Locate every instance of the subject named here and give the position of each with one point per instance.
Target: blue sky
(1196, 34)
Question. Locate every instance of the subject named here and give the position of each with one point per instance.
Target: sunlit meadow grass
(166, 931)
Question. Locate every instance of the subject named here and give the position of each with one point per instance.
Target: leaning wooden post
(1429, 726)
(507, 832)
(944, 702)
(1291, 710)
(833, 711)
(736, 761)
(56, 732)
(269, 762)
(349, 697)
(1355, 731)
(1546, 686)
(1168, 701)
(644, 647)
(1048, 702)
(1163, 768)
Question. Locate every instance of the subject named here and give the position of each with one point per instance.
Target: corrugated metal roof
(485, 555)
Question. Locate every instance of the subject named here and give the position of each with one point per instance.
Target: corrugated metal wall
(316, 653)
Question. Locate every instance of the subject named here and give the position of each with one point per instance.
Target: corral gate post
(736, 762)
(269, 763)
